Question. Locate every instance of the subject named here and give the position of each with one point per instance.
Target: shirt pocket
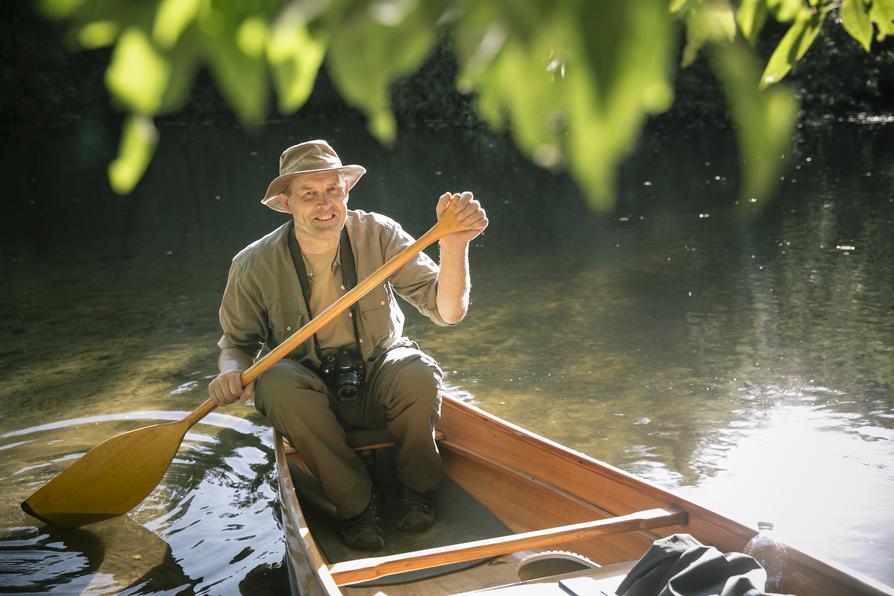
(375, 321)
(283, 324)
(380, 316)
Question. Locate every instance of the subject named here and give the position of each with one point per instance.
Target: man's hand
(468, 213)
(227, 388)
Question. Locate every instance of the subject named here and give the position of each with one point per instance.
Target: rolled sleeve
(242, 317)
(417, 281)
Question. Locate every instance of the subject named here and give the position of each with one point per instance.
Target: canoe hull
(531, 483)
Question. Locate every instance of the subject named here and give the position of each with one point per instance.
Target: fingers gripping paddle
(113, 477)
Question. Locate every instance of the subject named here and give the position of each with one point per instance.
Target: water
(741, 357)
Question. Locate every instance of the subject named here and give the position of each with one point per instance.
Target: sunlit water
(742, 358)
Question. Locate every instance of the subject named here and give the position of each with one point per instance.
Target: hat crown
(308, 157)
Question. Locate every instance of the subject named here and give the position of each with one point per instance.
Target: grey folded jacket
(680, 565)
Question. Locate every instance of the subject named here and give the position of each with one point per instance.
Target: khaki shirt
(262, 304)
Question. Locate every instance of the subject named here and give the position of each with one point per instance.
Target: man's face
(318, 204)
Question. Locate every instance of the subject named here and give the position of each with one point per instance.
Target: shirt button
(361, 340)
(288, 327)
(382, 303)
(310, 273)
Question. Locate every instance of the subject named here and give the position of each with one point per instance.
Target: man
(358, 371)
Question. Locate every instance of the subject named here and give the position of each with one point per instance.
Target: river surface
(739, 353)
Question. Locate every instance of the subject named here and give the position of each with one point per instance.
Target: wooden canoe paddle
(113, 477)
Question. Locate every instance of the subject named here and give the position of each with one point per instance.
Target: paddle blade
(110, 479)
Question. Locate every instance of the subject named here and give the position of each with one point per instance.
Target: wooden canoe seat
(349, 572)
(365, 440)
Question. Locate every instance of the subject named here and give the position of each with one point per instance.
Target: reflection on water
(207, 528)
(742, 358)
(803, 448)
(106, 557)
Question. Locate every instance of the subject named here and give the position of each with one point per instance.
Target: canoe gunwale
(308, 572)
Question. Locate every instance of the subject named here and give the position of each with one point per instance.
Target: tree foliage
(572, 80)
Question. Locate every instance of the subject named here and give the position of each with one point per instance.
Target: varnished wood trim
(308, 563)
(529, 478)
(350, 572)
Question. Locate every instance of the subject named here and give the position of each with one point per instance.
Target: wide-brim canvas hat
(309, 157)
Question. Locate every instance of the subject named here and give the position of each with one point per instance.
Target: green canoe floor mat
(460, 518)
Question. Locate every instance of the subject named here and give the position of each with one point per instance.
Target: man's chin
(332, 227)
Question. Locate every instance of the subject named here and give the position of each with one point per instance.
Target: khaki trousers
(402, 392)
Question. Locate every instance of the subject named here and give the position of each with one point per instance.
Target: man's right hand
(227, 388)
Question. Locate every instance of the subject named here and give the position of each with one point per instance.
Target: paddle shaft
(448, 224)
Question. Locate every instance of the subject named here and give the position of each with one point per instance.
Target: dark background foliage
(44, 83)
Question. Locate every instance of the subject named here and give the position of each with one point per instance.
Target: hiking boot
(416, 512)
(364, 531)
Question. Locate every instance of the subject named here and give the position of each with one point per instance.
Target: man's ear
(283, 202)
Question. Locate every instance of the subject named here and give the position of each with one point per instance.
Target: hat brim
(352, 175)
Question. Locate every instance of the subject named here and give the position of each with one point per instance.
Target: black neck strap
(348, 278)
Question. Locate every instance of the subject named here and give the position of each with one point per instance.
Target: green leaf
(855, 19)
(712, 22)
(764, 119)
(138, 141)
(881, 12)
(794, 44)
(811, 30)
(479, 38)
(787, 10)
(624, 75)
(138, 73)
(783, 58)
(751, 16)
(60, 9)
(184, 64)
(240, 72)
(251, 36)
(373, 45)
(98, 34)
(693, 46)
(719, 22)
(295, 56)
(171, 19)
(576, 85)
(679, 6)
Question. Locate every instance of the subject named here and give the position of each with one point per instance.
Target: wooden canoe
(552, 498)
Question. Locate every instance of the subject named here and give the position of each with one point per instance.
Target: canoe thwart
(349, 572)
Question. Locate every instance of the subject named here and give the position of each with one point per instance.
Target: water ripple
(197, 532)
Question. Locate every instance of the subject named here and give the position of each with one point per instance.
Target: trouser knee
(409, 383)
(287, 385)
(296, 403)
